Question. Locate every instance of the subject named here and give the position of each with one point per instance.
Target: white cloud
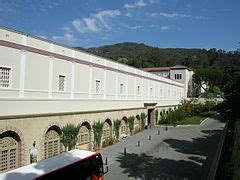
(67, 38)
(154, 1)
(165, 27)
(128, 14)
(173, 15)
(103, 16)
(138, 4)
(95, 22)
(134, 27)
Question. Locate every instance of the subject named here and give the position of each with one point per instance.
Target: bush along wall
(131, 124)
(97, 131)
(69, 136)
(188, 109)
(116, 127)
(143, 120)
(156, 116)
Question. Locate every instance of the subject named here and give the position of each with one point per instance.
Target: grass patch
(187, 120)
(192, 120)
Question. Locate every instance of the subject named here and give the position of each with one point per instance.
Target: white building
(178, 73)
(45, 85)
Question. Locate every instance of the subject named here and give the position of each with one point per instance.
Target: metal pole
(149, 137)
(125, 151)
(106, 161)
(158, 132)
(138, 143)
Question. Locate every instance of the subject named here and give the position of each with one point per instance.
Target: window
(51, 144)
(138, 90)
(98, 86)
(178, 76)
(121, 89)
(9, 149)
(4, 77)
(84, 136)
(61, 83)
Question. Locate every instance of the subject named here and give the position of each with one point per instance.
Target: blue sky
(162, 23)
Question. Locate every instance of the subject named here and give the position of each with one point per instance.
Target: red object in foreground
(75, 164)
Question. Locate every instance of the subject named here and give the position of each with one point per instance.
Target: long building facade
(45, 86)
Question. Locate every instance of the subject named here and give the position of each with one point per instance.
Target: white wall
(35, 77)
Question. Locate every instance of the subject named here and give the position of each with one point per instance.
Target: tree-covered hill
(141, 55)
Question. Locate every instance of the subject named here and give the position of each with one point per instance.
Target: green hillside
(141, 55)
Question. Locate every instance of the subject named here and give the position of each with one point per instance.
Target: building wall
(32, 129)
(35, 71)
(33, 102)
(186, 79)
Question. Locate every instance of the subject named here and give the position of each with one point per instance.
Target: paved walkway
(179, 153)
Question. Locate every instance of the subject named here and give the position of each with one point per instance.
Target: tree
(212, 78)
(231, 93)
(69, 135)
(116, 124)
(143, 119)
(131, 124)
(97, 131)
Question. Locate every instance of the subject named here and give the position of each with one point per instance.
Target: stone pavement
(179, 153)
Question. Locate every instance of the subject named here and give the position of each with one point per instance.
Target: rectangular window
(178, 76)
(4, 77)
(61, 83)
(98, 84)
(138, 90)
(121, 89)
(151, 91)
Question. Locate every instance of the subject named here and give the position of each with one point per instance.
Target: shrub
(116, 126)
(69, 135)
(143, 119)
(137, 130)
(131, 124)
(97, 131)
(107, 142)
(210, 104)
(156, 116)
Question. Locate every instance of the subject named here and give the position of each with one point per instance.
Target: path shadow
(143, 166)
(201, 149)
(197, 146)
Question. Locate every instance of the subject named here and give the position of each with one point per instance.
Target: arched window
(52, 142)
(137, 123)
(107, 129)
(84, 135)
(9, 151)
(123, 127)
